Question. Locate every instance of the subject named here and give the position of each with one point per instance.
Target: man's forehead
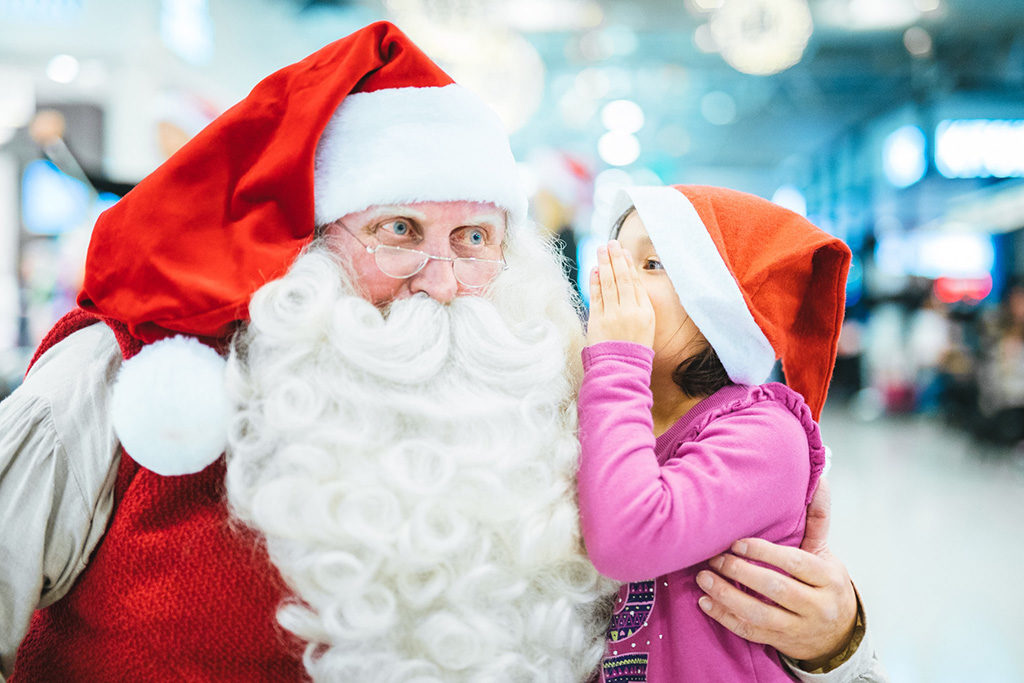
(460, 211)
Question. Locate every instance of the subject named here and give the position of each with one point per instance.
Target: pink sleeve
(744, 474)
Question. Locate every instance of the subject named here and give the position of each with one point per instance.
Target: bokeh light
(622, 115)
(917, 41)
(719, 108)
(903, 156)
(618, 148)
(62, 69)
(790, 197)
(762, 37)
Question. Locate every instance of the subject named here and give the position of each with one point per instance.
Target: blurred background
(897, 125)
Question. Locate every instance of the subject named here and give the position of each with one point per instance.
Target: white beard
(413, 474)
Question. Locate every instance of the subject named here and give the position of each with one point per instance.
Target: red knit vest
(172, 593)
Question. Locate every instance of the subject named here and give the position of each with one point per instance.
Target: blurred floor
(931, 526)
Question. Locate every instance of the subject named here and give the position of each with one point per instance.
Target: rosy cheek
(377, 287)
(381, 289)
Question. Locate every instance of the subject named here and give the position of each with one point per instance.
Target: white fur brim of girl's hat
(702, 280)
(408, 145)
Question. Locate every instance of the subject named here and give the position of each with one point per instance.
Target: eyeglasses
(402, 263)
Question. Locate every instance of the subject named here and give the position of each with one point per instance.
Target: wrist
(847, 646)
(614, 351)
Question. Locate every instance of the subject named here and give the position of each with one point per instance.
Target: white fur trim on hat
(407, 145)
(702, 280)
(170, 408)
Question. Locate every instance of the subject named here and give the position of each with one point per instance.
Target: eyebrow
(397, 210)
(492, 219)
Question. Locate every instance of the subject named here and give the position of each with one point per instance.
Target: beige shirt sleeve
(58, 464)
(859, 663)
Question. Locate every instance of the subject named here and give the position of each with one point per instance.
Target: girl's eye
(652, 264)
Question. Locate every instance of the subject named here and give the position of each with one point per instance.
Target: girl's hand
(619, 306)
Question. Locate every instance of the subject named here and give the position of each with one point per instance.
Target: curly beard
(413, 473)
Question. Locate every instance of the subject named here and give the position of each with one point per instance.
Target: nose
(437, 280)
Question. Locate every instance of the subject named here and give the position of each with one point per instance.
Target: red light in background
(950, 290)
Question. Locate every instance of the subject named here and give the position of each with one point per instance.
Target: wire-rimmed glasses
(402, 263)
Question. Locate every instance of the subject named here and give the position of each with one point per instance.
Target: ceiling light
(762, 37)
(618, 148)
(789, 197)
(917, 41)
(62, 69)
(979, 148)
(903, 156)
(880, 14)
(623, 115)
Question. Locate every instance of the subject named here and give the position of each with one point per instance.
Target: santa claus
(397, 501)
(340, 367)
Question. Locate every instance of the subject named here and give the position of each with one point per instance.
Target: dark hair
(617, 227)
(702, 374)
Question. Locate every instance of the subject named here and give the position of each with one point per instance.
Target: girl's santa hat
(760, 282)
(366, 120)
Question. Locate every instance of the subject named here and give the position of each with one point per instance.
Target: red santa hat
(760, 282)
(366, 120)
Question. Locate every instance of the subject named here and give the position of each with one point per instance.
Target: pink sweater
(743, 462)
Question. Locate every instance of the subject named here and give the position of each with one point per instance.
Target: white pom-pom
(169, 406)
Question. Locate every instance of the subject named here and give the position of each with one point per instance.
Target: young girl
(684, 448)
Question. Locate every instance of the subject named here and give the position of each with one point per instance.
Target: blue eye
(652, 264)
(470, 237)
(400, 228)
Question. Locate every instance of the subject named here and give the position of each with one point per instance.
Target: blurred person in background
(1001, 386)
(929, 342)
(396, 499)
